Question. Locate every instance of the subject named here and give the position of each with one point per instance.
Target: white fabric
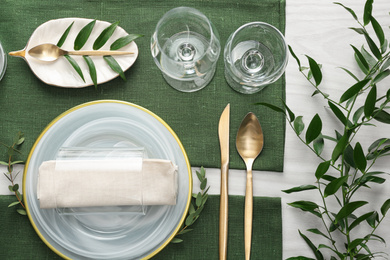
(86, 183)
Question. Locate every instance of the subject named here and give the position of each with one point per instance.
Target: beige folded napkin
(87, 183)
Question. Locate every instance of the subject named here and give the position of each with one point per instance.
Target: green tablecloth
(28, 105)
(19, 241)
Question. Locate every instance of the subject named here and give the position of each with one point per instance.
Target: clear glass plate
(116, 236)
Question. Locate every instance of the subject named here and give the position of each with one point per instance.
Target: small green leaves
(114, 65)
(83, 35)
(315, 250)
(334, 186)
(378, 31)
(200, 200)
(64, 35)
(315, 70)
(123, 41)
(295, 57)
(306, 206)
(349, 10)
(104, 36)
(314, 129)
(361, 61)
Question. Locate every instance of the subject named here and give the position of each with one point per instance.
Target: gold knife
(223, 133)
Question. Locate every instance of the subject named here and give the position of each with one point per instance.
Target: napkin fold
(91, 183)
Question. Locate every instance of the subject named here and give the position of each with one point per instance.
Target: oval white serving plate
(60, 73)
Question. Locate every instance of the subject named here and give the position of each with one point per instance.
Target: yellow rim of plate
(118, 102)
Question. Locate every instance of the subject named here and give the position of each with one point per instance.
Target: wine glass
(185, 46)
(255, 56)
(3, 62)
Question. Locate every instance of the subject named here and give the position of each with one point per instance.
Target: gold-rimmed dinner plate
(108, 123)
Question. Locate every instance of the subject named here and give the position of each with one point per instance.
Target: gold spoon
(51, 52)
(249, 143)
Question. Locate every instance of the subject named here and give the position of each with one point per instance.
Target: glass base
(191, 85)
(241, 87)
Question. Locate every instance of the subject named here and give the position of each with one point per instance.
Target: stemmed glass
(3, 62)
(185, 46)
(255, 56)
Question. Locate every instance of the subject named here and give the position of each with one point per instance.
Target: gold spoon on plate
(51, 52)
(249, 144)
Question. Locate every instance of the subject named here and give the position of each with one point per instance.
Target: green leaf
(352, 245)
(20, 141)
(299, 125)
(316, 252)
(315, 70)
(381, 76)
(369, 58)
(15, 187)
(83, 35)
(348, 209)
(374, 49)
(295, 57)
(123, 41)
(275, 108)
(382, 116)
(338, 113)
(358, 30)
(350, 73)
(104, 36)
(300, 188)
(21, 212)
(314, 129)
(318, 145)
(349, 10)
(352, 91)
(75, 66)
(306, 206)
(361, 61)
(198, 200)
(290, 113)
(385, 207)
(318, 232)
(3, 163)
(203, 184)
(300, 258)
(115, 66)
(378, 30)
(92, 69)
(371, 220)
(339, 148)
(335, 185)
(348, 156)
(184, 231)
(369, 104)
(359, 157)
(367, 12)
(176, 240)
(360, 219)
(64, 36)
(357, 115)
(13, 204)
(322, 168)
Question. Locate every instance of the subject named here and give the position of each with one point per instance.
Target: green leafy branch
(196, 207)
(349, 168)
(104, 36)
(14, 187)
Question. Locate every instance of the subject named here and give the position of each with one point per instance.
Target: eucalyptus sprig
(196, 207)
(349, 168)
(10, 162)
(104, 36)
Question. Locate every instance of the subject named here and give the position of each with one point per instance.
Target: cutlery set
(249, 144)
